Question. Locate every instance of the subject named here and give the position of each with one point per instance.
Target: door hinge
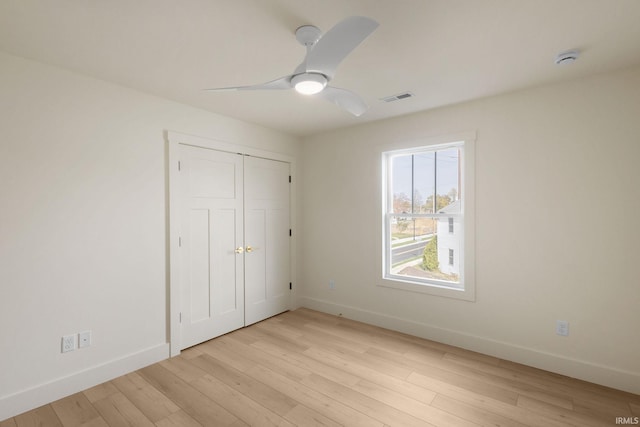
(289, 232)
(179, 242)
(289, 178)
(290, 286)
(180, 317)
(179, 165)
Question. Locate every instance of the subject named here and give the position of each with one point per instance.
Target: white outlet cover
(562, 328)
(68, 343)
(84, 339)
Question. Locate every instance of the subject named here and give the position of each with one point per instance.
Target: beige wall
(83, 225)
(557, 229)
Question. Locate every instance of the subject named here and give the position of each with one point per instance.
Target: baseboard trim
(42, 394)
(580, 369)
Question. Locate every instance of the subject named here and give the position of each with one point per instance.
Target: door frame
(174, 140)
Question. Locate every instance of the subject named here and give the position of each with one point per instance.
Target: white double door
(234, 241)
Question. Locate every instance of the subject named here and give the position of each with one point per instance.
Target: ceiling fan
(324, 53)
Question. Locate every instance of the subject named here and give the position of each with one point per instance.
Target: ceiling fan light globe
(309, 83)
(309, 87)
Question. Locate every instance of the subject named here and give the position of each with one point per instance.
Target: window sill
(459, 291)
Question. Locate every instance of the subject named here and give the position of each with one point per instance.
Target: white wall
(83, 225)
(557, 230)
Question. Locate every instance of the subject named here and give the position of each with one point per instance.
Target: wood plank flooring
(305, 368)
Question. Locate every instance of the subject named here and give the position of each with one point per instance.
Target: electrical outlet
(68, 343)
(84, 339)
(332, 284)
(562, 328)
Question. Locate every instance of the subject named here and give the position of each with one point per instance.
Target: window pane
(423, 248)
(448, 184)
(406, 229)
(401, 184)
(424, 182)
(413, 183)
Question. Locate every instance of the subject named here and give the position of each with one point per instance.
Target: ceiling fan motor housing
(308, 35)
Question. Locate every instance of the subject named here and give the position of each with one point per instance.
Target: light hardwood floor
(307, 368)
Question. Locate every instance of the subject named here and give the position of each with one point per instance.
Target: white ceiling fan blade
(282, 83)
(345, 99)
(328, 52)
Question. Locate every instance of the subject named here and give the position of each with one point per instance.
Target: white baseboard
(42, 394)
(580, 369)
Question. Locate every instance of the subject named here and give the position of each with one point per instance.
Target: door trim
(174, 140)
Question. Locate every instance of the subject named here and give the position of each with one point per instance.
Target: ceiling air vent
(397, 97)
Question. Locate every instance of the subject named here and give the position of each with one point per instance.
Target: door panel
(277, 268)
(224, 261)
(199, 264)
(255, 265)
(267, 265)
(214, 179)
(212, 273)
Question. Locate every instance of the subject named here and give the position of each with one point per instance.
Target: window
(425, 209)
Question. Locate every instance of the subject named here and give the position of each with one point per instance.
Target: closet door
(267, 241)
(211, 249)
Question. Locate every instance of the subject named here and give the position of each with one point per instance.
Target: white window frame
(465, 289)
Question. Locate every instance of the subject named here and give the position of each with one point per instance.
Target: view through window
(423, 216)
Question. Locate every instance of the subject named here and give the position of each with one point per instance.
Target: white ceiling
(443, 51)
